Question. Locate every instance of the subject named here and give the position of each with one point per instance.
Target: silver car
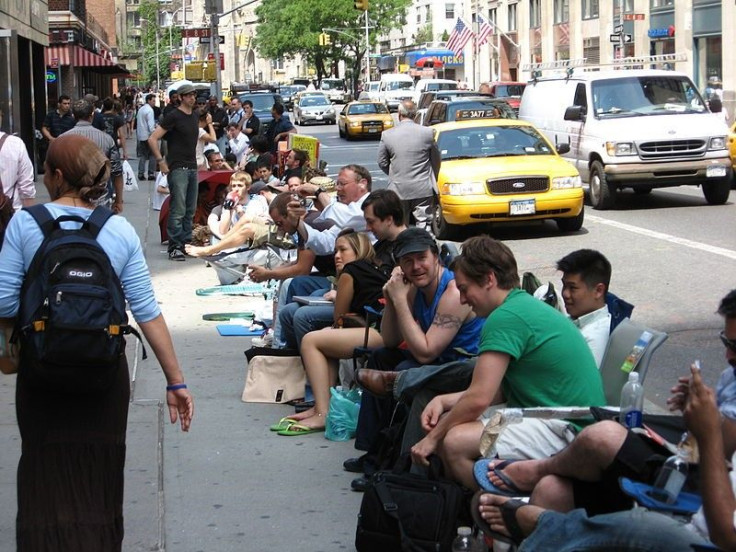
(314, 108)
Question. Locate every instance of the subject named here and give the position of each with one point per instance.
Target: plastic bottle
(464, 540)
(632, 402)
(672, 476)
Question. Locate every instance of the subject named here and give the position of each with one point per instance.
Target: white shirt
(344, 215)
(697, 522)
(16, 171)
(596, 329)
(145, 123)
(238, 146)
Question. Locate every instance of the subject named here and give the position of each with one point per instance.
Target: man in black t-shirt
(219, 121)
(181, 128)
(252, 124)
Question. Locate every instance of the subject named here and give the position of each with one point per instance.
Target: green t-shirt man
(550, 364)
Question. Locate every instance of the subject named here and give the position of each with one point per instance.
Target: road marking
(728, 253)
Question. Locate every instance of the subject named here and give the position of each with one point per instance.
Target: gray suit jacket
(409, 156)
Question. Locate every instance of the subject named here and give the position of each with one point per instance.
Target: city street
(231, 485)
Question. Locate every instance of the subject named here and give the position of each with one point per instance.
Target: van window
(647, 95)
(580, 96)
(397, 85)
(442, 86)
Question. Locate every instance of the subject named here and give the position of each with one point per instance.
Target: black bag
(72, 319)
(404, 512)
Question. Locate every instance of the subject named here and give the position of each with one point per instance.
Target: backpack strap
(42, 217)
(97, 220)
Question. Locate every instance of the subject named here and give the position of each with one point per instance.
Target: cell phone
(301, 200)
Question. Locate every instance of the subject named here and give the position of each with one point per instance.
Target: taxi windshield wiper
(455, 157)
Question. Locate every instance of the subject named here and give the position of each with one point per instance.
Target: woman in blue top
(70, 475)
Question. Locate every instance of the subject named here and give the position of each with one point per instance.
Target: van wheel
(717, 192)
(571, 224)
(602, 192)
(442, 229)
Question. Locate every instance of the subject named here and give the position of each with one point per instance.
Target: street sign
(628, 38)
(618, 29)
(196, 33)
(50, 76)
(615, 38)
(634, 17)
(206, 39)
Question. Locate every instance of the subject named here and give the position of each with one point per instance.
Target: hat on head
(91, 98)
(172, 92)
(186, 89)
(258, 187)
(413, 240)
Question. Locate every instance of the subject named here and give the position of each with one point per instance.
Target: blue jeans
(298, 320)
(637, 529)
(183, 188)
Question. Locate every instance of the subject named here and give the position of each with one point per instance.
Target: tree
(153, 34)
(287, 29)
(424, 34)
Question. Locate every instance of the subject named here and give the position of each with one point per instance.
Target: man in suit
(409, 156)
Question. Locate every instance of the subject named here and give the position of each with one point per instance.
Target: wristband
(319, 191)
(176, 386)
(159, 159)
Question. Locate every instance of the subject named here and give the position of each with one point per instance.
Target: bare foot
(525, 474)
(490, 511)
(303, 415)
(314, 421)
(196, 251)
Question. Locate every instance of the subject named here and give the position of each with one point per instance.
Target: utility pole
(367, 51)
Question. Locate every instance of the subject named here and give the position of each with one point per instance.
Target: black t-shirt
(253, 123)
(384, 250)
(181, 137)
(220, 117)
(288, 173)
(112, 122)
(368, 281)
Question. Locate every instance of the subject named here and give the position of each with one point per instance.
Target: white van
(395, 88)
(432, 85)
(639, 129)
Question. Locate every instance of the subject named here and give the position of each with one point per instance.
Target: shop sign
(50, 76)
(662, 32)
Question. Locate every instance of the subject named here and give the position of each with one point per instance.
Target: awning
(71, 54)
(447, 57)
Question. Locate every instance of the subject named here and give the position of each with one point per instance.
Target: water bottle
(632, 401)
(672, 476)
(464, 540)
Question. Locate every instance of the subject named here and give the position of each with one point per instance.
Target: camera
(229, 204)
(302, 201)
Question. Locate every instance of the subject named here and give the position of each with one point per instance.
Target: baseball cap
(413, 240)
(186, 89)
(258, 187)
(91, 98)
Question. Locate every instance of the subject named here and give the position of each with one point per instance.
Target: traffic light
(325, 39)
(361, 5)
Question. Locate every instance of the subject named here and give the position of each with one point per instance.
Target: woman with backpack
(73, 421)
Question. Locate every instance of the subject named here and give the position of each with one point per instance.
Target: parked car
(363, 119)
(432, 85)
(639, 129)
(313, 107)
(441, 111)
(428, 97)
(509, 91)
(262, 104)
(289, 92)
(502, 170)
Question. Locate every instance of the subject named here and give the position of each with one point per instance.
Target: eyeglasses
(729, 344)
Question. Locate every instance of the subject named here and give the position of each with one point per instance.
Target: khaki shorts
(532, 438)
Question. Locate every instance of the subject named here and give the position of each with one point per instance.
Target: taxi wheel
(571, 224)
(717, 192)
(602, 193)
(442, 229)
(340, 131)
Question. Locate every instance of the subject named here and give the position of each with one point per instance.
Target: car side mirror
(575, 113)
(562, 149)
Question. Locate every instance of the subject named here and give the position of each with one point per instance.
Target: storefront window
(6, 124)
(708, 52)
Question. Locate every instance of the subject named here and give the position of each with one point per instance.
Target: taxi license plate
(716, 171)
(319, 117)
(522, 207)
(372, 130)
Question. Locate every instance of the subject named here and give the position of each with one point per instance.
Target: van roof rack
(570, 65)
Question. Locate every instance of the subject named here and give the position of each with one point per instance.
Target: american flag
(485, 29)
(459, 37)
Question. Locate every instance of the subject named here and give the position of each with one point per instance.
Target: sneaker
(177, 255)
(151, 177)
(265, 341)
(141, 177)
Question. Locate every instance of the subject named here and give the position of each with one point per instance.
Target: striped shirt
(103, 141)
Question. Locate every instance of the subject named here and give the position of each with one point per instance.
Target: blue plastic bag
(342, 418)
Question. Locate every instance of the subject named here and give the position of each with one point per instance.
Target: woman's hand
(330, 295)
(181, 407)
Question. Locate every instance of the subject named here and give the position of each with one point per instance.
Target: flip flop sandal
(508, 513)
(480, 470)
(283, 423)
(299, 429)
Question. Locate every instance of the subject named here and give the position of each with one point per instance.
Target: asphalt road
(673, 257)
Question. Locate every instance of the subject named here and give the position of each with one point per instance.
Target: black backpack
(72, 318)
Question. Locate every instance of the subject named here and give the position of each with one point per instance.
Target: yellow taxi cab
(363, 118)
(732, 152)
(502, 170)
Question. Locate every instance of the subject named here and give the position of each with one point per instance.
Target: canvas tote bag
(273, 375)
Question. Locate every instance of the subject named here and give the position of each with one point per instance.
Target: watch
(319, 191)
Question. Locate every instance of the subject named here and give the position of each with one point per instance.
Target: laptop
(312, 301)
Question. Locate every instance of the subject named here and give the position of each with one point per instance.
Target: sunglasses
(729, 344)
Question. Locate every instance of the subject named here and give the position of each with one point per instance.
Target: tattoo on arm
(446, 321)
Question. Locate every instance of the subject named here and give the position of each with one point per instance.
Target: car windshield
(373, 86)
(287, 90)
(310, 101)
(362, 109)
(491, 141)
(441, 86)
(332, 85)
(261, 102)
(509, 90)
(480, 109)
(647, 95)
(399, 85)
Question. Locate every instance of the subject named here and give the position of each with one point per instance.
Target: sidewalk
(229, 484)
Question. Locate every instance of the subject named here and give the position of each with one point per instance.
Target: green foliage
(287, 29)
(153, 36)
(424, 34)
